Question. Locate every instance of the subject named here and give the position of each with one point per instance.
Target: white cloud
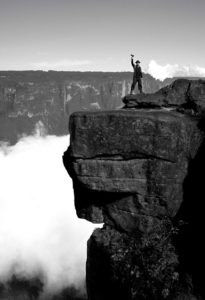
(161, 72)
(63, 65)
(39, 229)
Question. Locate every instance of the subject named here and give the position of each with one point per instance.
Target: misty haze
(41, 237)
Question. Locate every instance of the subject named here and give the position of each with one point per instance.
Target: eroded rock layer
(183, 94)
(130, 169)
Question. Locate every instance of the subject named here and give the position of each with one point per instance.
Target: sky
(99, 35)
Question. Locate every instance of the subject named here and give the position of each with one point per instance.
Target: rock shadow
(190, 241)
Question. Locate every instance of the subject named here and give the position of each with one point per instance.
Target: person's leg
(134, 81)
(139, 85)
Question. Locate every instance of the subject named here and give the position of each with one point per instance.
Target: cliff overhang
(131, 170)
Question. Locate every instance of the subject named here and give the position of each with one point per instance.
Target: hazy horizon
(94, 35)
(181, 74)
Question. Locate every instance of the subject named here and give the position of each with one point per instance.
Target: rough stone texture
(133, 268)
(133, 171)
(183, 94)
(137, 155)
(130, 134)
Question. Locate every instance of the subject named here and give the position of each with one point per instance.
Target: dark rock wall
(29, 97)
(137, 171)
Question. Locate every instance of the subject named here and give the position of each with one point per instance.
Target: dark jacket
(137, 70)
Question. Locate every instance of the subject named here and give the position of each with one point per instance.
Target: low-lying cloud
(168, 71)
(39, 229)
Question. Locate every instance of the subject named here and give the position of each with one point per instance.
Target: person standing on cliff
(137, 76)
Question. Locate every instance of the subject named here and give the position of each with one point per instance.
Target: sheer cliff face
(30, 97)
(133, 171)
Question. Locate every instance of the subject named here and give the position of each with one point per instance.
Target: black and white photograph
(102, 149)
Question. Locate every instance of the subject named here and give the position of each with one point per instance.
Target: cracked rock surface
(129, 168)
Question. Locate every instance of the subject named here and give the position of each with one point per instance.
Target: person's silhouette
(137, 76)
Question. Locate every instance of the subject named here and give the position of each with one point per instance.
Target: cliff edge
(136, 170)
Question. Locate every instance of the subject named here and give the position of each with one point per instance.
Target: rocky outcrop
(183, 94)
(132, 170)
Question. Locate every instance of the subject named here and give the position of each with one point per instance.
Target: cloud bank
(166, 71)
(39, 229)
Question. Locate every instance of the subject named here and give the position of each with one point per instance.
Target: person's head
(137, 62)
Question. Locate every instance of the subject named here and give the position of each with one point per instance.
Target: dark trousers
(137, 80)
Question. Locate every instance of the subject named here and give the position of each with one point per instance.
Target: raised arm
(132, 62)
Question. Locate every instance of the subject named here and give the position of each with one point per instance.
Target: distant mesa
(27, 97)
